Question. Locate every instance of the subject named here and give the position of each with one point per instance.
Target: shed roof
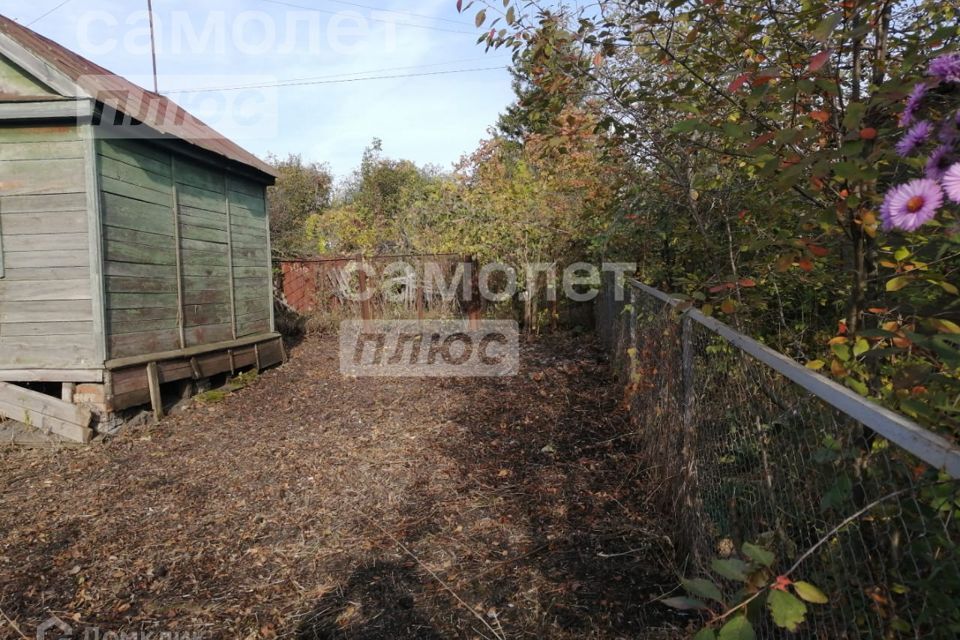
(156, 111)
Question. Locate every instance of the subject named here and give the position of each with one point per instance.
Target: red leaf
(459, 6)
(748, 282)
(818, 251)
(738, 82)
(868, 133)
(782, 583)
(761, 140)
(820, 116)
(805, 264)
(817, 61)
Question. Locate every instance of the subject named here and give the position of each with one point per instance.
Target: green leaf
(787, 610)
(739, 628)
(705, 634)
(895, 284)
(481, 17)
(810, 593)
(511, 15)
(732, 569)
(758, 554)
(703, 588)
(823, 30)
(684, 604)
(861, 347)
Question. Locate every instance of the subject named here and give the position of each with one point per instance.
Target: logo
(429, 348)
(53, 628)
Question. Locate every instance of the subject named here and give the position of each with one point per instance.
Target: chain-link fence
(744, 445)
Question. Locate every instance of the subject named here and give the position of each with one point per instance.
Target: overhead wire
(41, 17)
(341, 81)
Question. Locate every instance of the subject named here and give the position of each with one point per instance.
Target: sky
(317, 47)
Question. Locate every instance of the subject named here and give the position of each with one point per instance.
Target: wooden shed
(134, 243)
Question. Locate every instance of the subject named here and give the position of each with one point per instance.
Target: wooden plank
(44, 203)
(41, 223)
(95, 242)
(135, 175)
(133, 270)
(136, 215)
(44, 290)
(134, 236)
(140, 326)
(43, 328)
(207, 296)
(141, 301)
(118, 284)
(46, 412)
(190, 231)
(119, 363)
(135, 192)
(117, 251)
(39, 259)
(140, 314)
(178, 248)
(50, 311)
(143, 343)
(51, 375)
(50, 176)
(156, 399)
(201, 199)
(34, 150)
(25, 352)
(38, 133)
(43, 273)
(46, 242)
(46, 109)
(230, 266)
(136, 154)
(194, 175)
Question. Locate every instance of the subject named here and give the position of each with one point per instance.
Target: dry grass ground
(312, 506)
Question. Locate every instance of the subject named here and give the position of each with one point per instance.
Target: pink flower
(910, 205)
(946, 67)
(913, 104)
(938, 162)
(951, 182)
(913, 138)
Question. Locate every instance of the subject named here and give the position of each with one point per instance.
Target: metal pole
(153, 46)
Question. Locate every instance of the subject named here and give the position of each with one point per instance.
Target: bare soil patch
(312, 506)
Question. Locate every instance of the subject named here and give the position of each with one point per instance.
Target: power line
(295, 81)
(36, 20)
(406, 13)
(318, 82)
(333, 13)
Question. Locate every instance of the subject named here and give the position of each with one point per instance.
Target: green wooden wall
(186, 251)
(46, 309)
(14, 81)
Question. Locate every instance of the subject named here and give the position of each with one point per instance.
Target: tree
(302, 189)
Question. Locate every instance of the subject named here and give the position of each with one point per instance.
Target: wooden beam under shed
(46, 413)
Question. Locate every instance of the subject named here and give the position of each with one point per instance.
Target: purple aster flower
(937, 163)
(946, 67)
(913, 104)
(913, 138)
(951, 182)
(912, 204)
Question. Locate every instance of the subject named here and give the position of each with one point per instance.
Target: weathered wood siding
(167, 238)
(46, 311)
(251, 257)
(15, 82)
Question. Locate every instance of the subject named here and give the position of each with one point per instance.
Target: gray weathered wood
(178, 250)
(51, 375)
(119, 363)
(95, 243)
(45, 412)
(156, 399)
(42, 110)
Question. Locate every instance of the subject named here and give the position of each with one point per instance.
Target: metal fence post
(689, 449)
